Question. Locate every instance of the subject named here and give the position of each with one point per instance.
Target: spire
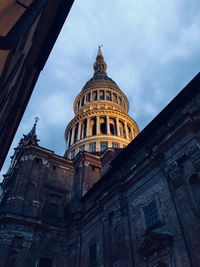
(100, 65)
(31, 137)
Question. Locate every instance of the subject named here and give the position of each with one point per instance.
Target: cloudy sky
(151, 49)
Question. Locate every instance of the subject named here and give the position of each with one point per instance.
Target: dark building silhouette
(138, 206)
(28, 31)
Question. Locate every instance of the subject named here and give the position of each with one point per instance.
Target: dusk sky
(152, 50)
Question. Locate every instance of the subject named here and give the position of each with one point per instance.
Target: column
(98, 124)
(126, 130)
(79, 130)
(132, 132)
(111, 96)
(72, 138)
(117, 122)
(107, 125)
(68, 139)
(88, 127)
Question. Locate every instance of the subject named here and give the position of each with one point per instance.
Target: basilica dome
(101, 115)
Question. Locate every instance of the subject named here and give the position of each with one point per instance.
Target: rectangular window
(92, 147)
(115, 145)
(104, 145)
(82, 148)
(151, 215)
(92, 253)
(45, 262)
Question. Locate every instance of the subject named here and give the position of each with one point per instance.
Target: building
(101, 119)
(28, 31)
(106, 205)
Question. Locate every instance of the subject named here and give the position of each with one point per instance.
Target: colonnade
(100, 125)
(96, 95)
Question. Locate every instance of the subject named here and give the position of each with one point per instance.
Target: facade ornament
(173, 169)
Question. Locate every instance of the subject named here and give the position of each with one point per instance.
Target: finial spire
(31, 137)
(100, 65)
(99, 51)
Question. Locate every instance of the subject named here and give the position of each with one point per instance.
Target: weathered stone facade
(142, 210)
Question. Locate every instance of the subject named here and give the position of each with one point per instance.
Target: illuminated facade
(101, 115)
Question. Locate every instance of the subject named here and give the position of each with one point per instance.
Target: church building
(118, 197)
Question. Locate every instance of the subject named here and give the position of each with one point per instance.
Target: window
(101, 95)
(92, 147)
(88, 97)
(94, 95)
(92, 253)
(115, 145)
(45, 262)
(104, 145)
(38, 160)
(151, 215)
(52, 210)
(82, 148)
(108, 95)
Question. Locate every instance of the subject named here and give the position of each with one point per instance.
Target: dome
(101, 115)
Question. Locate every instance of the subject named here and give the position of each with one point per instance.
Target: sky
(151, 49)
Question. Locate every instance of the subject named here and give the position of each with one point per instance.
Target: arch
(108, 95)
(84, 129)
(88, 97)
(83, 100)
(101, 95)
(113, 126)
(70, 137)
(122, 129)
(92, 126)
(76, 133)
(94, 96)
(103, 125)
(130, 136)
(114, 98)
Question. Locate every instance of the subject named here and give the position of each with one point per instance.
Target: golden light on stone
(101, 115)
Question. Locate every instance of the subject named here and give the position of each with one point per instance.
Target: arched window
(195, 187)
(76, 133)
(94, 95)
(102, 122)
(82, 100)
(108, 95)
(113, 126)
(122, 129)
(101, 95)
(129, 132)
(93, 126)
